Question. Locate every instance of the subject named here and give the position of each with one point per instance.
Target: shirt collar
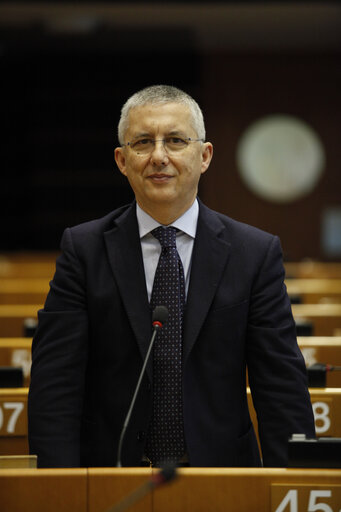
(187, 223)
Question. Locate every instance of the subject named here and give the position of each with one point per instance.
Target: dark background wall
(66, 73)
(61, 99)
(239, 90)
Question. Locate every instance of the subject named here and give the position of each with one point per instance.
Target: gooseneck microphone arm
(162, 477)
(160, 315)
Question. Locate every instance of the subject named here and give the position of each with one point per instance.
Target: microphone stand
(162, 477)
(156, 325)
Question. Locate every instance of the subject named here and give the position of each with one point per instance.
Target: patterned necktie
(165, 442)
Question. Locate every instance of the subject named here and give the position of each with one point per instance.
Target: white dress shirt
(151, 248)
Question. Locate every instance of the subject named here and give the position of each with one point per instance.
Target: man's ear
(120, 160)
(207, 153)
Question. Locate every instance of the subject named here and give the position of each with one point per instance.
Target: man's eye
(142, 142)
(176, 141)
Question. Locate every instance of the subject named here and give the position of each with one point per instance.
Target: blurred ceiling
(270, 26)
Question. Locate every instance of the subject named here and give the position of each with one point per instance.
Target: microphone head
(166, 474)
(160, 315)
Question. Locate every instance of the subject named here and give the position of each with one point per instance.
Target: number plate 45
(305, 498)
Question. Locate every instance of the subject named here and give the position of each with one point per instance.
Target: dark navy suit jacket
(94, 332)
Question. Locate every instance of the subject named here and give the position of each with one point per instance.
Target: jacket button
(141, 435)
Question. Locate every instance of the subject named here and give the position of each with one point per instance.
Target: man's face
(162, 179)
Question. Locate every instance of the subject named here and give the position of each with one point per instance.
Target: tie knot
(166, 236)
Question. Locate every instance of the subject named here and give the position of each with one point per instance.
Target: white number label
(16, 408)
(322, 420)
(313, 506)
(292, 503)
(289, 499)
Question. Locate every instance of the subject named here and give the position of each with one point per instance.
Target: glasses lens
(175, 143)
(171, 144)
(142, 146)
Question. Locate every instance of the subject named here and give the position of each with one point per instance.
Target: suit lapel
(210, 254)
(125, 257)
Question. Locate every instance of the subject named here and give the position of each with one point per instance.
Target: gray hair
(157, 95)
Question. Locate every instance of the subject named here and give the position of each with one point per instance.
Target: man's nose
(159, 154)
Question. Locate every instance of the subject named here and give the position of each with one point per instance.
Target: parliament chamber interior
(268, 78)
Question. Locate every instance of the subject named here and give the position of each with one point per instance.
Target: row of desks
(326, 318)
(194, 490)
(42, 264)
(315, 349)
(24, 290)
(13, 416)
(24, 283)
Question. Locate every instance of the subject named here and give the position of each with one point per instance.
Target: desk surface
(195, 489)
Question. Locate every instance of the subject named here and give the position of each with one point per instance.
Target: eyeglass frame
(187, 139)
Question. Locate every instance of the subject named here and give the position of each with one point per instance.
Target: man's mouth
(160, 177)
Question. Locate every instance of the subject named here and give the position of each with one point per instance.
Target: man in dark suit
(95, 327)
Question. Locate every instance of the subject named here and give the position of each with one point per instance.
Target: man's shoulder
(88, 237)
(235, 229)
(101, 224)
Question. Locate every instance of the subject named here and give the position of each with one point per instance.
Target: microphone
(317, 374)
(166, 474)
(331, 368)
(159, 317)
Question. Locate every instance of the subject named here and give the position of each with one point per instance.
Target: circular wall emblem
(280, 158)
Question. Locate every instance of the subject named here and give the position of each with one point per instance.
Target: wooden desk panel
(324, 349)
(42, 264)
(42, 490)
(13, 421)
(315, 349)
(326, 404)
(14, 445)
(327, 411)
(17, 352)
(23, 290)
(30, 266)
(109, 486)
(18, 461)
(326, 318)
(29, 290)
(19, 257)
(315, 291)
(235, 490)
(195, 489)
(313, 269)
(12, 318)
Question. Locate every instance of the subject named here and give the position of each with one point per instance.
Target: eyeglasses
(173, 144)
